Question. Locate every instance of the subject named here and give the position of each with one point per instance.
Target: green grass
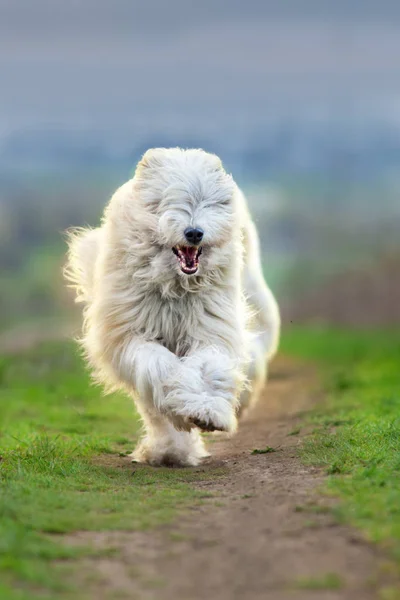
(357, 430)
(60, 471)
(329, 581)
(266, 450)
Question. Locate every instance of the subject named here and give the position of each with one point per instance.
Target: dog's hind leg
(163, 445)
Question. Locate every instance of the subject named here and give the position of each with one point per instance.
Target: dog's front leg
(205, 391)
(154, 374)
(170, 439)
(198, 391)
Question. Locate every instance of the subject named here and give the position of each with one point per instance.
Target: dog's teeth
(182, 252)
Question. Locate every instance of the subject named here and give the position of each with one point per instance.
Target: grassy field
(357, 430)
(60, 439)
(57, 433)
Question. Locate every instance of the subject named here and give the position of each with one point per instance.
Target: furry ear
(149, 179)
(216, 163)
(151, 159)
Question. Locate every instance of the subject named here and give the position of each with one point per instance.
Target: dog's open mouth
(188, 257)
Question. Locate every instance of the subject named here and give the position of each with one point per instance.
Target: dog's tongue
(189, 253)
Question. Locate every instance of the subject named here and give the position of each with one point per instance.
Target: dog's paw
(166, 458)
(201, 397)
(214, 414)
(180, 449)
(204, 425)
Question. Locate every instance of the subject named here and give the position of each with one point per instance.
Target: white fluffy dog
(177, 312)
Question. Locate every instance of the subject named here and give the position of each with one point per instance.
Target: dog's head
(190, 202)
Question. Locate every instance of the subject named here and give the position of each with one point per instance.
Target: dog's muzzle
(188, 257)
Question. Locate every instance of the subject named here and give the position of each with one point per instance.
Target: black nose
(194, 236)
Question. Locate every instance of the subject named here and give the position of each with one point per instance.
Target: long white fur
(190, 348)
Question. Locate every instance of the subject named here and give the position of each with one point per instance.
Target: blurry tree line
(34, 214)
(310, 229)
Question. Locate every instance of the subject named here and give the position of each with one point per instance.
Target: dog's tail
(79, 271)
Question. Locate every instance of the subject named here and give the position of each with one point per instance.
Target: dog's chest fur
(180, 324)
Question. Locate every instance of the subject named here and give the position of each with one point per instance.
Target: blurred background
(300, 99)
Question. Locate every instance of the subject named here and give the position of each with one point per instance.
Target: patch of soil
(261, 532)
(363, 297)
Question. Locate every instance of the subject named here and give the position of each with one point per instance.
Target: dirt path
(252, 539)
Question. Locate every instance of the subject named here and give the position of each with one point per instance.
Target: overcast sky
(93, 63)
